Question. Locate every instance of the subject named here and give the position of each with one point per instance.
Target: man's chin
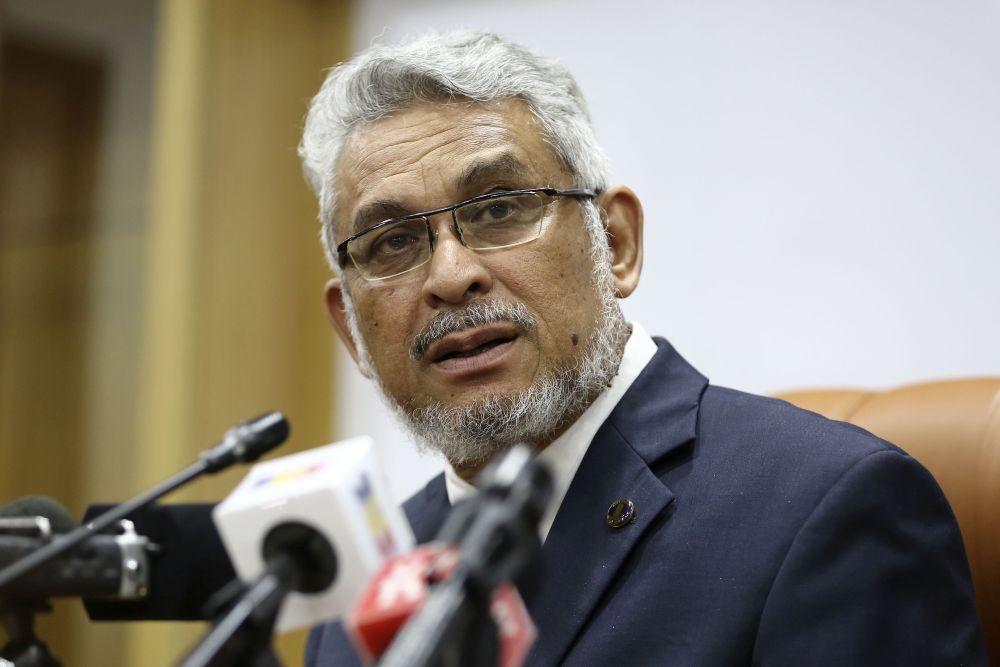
(492, 418)
(474, 433)
(467, 460)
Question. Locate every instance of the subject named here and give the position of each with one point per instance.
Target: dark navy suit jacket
(763, 535)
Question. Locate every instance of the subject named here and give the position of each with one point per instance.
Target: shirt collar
(564, 455)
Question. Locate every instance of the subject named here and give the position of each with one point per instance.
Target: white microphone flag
(337, 489)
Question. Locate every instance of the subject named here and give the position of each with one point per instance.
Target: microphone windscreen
(188, 567)
(59, 517)
(246, 442)
(260, 435)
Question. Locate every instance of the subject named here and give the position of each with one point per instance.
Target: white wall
(821, 180)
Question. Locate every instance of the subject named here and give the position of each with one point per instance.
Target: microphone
(401, 589)
(105, 565)
(339, 491)
(114, 566)
(298, 558)
(310, 527)
(243, 443)
(246, 442)
(40, 511)
(441, 592)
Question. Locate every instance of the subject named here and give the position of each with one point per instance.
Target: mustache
(476, 314)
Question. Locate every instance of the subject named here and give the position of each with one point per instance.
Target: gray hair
(477, 66)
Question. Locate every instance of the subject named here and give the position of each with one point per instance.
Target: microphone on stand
(245, 442)
(297, 558)
(306, 530)
(402, 587)
(449, 603)
(102, 566)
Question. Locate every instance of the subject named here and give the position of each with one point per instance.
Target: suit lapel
(583, 554)
(427, 509)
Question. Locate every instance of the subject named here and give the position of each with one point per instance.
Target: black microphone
(35, 511)
(243, 443)
(114, 566)
(247, 442)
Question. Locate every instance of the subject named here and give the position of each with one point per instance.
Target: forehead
(433, 154)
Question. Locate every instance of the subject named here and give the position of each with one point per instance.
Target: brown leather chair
(953, 429)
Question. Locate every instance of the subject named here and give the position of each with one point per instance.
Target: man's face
(433, 155)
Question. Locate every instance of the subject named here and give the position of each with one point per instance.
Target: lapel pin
(620, 513)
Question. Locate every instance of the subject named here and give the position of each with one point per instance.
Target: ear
(622, 214)
(337, 315)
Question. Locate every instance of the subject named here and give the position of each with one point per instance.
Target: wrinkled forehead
(432, 154)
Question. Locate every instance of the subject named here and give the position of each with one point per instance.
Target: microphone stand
(23, 646)
(243, 443)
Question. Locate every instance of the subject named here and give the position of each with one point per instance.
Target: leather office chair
(953, 429)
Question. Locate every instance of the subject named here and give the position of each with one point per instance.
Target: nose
(456, 274)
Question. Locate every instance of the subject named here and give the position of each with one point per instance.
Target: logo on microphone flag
(375, 517)
(289, 475)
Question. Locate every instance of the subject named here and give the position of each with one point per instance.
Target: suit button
(620, 513)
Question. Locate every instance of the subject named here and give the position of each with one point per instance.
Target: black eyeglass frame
(342, 255)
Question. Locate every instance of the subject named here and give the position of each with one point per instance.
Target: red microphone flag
(401, 587)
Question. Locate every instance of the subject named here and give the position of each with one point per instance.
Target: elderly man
(479, 252)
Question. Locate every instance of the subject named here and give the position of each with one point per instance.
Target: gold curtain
(234, 322)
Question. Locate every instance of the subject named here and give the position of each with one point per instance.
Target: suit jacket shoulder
(763, 534)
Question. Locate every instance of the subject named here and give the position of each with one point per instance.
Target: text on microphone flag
(375, 517)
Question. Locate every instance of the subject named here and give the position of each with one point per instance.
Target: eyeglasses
(487, 222)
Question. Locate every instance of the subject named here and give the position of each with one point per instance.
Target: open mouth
(473, 349)
(479, 349)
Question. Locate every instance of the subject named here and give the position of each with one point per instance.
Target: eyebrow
(504, 165)
(377, 211)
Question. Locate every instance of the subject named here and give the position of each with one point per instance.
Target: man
(480, 251)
